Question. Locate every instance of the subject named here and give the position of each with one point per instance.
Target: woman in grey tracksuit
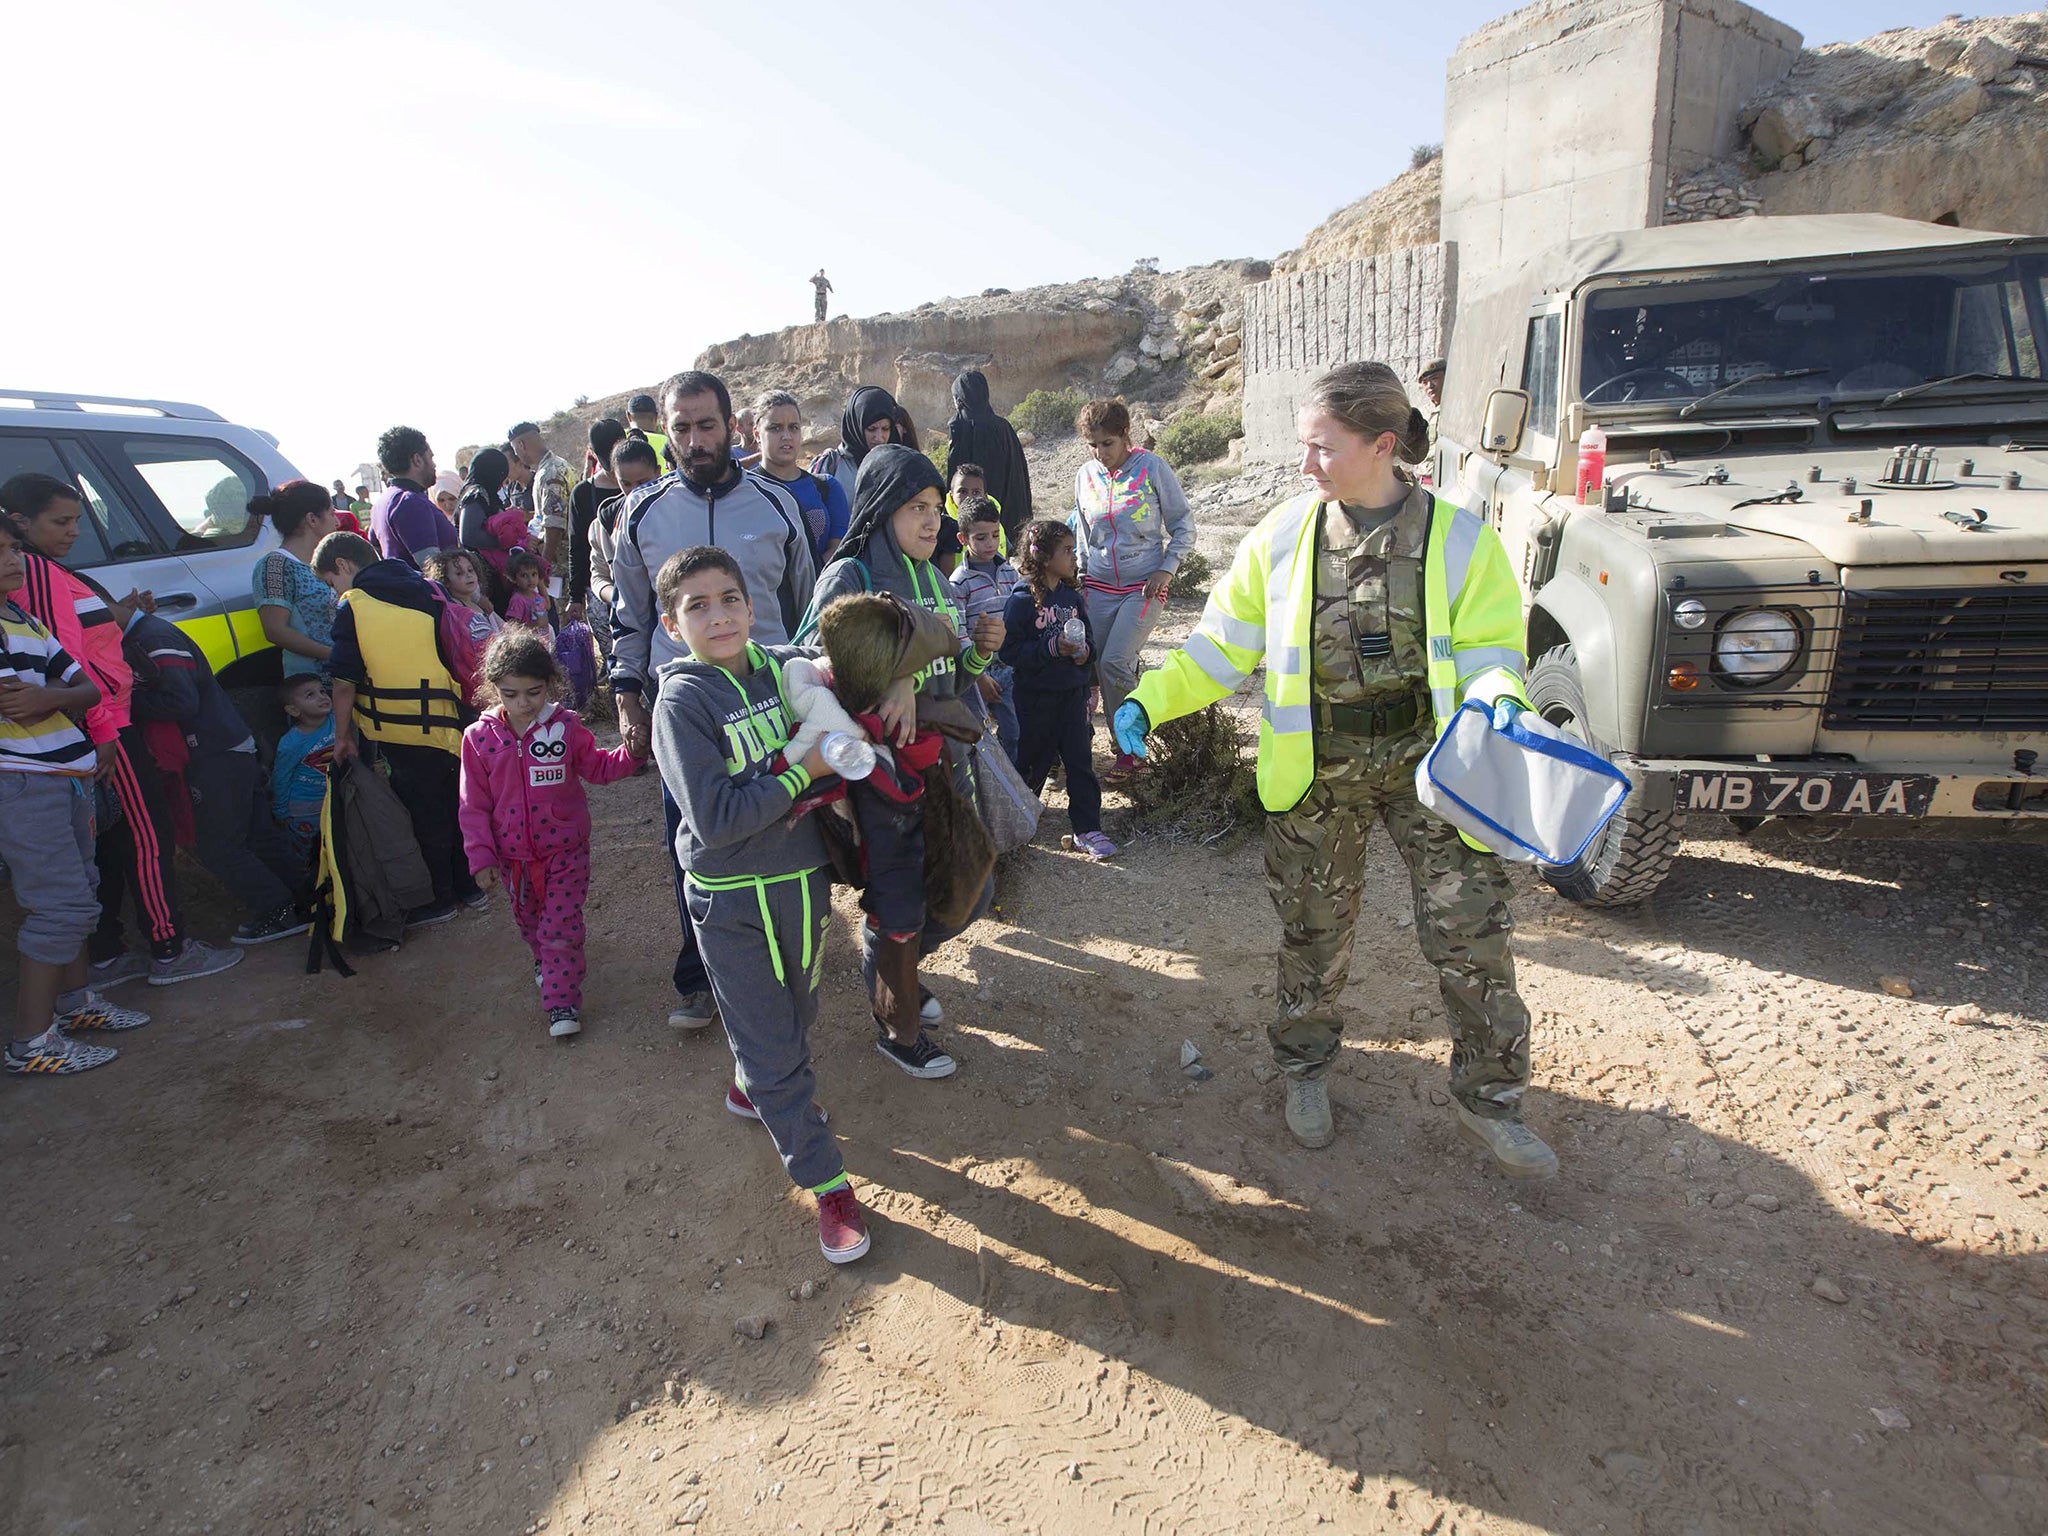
(1132, 529)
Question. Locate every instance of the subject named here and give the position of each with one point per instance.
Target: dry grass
(1199, 783)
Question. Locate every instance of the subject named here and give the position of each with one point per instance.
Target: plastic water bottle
(1074, 631)
(847, 756)
(1592, 462)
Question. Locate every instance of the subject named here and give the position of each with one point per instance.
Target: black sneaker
(478, 900)
(286, 922)
(562, 1023)
(433, 912)
(920, 1058)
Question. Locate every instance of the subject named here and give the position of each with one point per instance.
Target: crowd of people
(828, 663)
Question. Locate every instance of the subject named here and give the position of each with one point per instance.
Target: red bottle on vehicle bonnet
(1592, 461)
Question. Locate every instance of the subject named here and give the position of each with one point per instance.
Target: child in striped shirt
(46, 837)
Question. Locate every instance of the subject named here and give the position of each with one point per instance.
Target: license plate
(1761, 792)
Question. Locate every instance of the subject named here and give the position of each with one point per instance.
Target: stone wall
(1393, 308)
(1570, 117)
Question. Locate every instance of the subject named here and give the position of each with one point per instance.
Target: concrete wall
(1393, 308)
(1568, 117)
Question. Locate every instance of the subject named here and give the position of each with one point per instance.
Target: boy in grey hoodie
(758, 894)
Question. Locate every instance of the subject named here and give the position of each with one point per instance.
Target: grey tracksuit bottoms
(762, 941)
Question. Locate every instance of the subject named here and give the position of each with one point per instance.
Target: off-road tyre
(1639, 846)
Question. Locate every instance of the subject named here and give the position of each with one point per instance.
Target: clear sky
(322, 219)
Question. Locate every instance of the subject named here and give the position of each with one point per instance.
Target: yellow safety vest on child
(411, 699)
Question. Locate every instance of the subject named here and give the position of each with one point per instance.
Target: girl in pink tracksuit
(524, 817)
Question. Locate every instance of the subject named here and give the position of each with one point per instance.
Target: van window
(123, 534)
(1540, 369)
(204, 486)
(110, 530)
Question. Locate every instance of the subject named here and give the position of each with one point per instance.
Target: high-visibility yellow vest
(411, 699)
(1264, 610)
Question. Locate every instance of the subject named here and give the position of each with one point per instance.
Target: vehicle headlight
(1756, 646)
(1690, 614)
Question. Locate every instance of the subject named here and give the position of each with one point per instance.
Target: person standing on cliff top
(823, 285)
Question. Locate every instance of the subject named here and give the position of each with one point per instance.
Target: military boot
(1521, 1153)
(1308, 1111)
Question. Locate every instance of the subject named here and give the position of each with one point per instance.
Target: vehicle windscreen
(1845, 334)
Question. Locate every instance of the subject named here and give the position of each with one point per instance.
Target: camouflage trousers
(1315, 866)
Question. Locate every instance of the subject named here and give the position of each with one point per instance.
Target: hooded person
(980, 436)
(888, 548)
(867, 409)
(480, 502)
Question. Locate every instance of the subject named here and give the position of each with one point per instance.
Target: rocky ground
(377, 1255)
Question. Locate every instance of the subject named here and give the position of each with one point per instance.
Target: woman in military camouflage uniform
(1375, 609)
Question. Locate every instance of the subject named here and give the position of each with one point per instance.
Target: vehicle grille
(1941, 660)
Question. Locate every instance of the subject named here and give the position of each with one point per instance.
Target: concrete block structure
(1393, 308)
(1572, 117)
(1567, 118)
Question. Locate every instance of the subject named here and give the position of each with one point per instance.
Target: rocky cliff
(1400, 214)
(1167, 342)
(1946, 123)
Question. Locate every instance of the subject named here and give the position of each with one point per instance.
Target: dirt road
(376, 1255)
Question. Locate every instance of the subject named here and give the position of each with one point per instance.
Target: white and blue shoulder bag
(1526, 791)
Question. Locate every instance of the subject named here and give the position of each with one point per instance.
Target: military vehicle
(1813, 581)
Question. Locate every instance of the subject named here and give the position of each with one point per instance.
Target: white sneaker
(562, 1023)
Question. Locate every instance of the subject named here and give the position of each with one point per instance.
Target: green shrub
(1198, 439)
(939, 450)
(1200, 782)
(1193, 579)
(1048, 412)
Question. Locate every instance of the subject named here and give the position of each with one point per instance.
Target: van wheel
(1639, 846)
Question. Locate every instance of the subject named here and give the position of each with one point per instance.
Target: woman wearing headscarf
(480, 503)
(980, 436)
(897, 504)
(868, 421)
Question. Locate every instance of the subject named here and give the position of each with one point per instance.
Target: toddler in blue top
(298, 779)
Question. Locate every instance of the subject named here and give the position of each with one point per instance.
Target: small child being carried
(524, 815)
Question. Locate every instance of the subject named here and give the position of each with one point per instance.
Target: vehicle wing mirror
(1506, 420)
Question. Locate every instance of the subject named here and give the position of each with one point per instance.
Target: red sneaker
(737, 1103)
(1122, 770)
(842, 1229)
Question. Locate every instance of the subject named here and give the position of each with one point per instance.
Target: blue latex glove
(1130, 728)
(1505, 710)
